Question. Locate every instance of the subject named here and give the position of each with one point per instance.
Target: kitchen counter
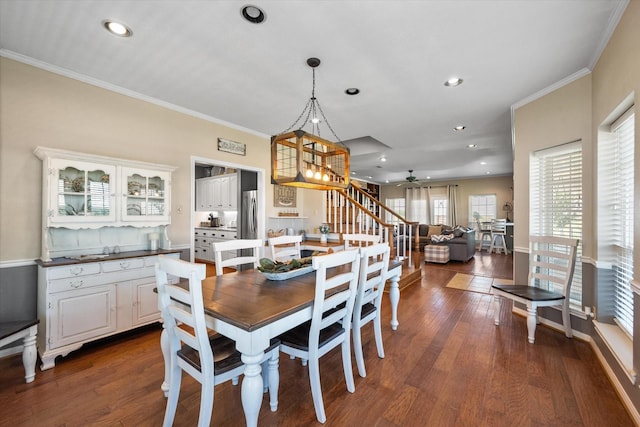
(57, 262)
(220, 228)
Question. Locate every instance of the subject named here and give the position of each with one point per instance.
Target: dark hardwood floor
(446, 365)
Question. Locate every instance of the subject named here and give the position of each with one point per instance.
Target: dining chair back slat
(249, 245)
(360, 239)
(285, 247)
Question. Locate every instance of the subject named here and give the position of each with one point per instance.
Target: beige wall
(500, 186)
(40, 108)
(562, 116)
(576, 111)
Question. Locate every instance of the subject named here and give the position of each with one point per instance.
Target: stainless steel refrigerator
(249, 215)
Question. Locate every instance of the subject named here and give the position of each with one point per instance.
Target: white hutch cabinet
(89, 203)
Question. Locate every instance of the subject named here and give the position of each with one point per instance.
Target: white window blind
(556, 200)
(616, 210)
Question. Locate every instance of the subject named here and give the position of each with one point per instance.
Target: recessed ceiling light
(253, 14)
(117, 28)
(459, 128)
(472, 146)
(383, 159)
(488, 172)
(455, 81)
(483, 163)
(428, 177)
(353, 172)
(386, 181)
(370, 177)
(352, 91)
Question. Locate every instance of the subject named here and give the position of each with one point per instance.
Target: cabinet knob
(76, 270)
(124, 265)
(76, 284)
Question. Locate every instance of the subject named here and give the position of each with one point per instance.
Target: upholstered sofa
(462, 246)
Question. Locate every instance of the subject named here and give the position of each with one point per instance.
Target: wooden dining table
(250, 309)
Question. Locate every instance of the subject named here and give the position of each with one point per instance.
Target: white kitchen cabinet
(79, 302)
(204, 194)
(203, 239)
(217, 193)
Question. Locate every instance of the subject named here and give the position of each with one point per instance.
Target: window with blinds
(482, 207)
(616, 210)
(556, 201)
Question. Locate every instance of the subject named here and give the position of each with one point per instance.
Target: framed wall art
(284, 197)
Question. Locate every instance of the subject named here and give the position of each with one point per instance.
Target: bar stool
(484, 232)
(498, 234)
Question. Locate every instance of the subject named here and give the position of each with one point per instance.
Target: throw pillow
(438, 238)
(434, 230)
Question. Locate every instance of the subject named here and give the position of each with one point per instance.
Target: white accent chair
(499, 234)
(330, 324)
(282, 249)
(210, 359)
(374, 264)
(360, 239)
(253, 245)
(552, 262)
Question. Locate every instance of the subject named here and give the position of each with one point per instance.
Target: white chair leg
(497, 300)
(316, 389)
(357, 349)
(532, 320)
(235, 380)
(346, 364)
(274, 379)
(206, 403)
(377, 330)
(566, 321)
(175, 377)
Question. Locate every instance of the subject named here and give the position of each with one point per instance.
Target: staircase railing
(355, 211)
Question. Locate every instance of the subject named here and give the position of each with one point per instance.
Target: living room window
(615, 218)
(556, 201)
(439, 209)
(482, 208)
(396, 205)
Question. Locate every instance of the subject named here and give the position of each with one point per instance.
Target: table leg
(394, 297)
(252, 388)
(29, 356)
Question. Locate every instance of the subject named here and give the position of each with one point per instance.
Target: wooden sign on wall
(284, 197)
(232, 147)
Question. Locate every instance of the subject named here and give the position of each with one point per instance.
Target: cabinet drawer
(124, 264)
(75, 270)
(72, 283)
(150, 261)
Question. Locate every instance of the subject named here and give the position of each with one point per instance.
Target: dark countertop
(221, 228)
(57, 262)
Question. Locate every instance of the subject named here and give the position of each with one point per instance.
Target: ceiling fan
(411, 177)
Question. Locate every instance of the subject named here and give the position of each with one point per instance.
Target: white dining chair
(285, 247)
(238, 258)
(374, 264)
(498, 235)
(330, 323)
(360, 239)
(210, 359)
(552, 261)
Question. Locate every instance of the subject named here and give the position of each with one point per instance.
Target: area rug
(473, 283)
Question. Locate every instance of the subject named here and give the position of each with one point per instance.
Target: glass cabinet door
(145, 195)
(82, 192)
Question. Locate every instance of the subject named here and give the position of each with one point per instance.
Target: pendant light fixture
(304, 159)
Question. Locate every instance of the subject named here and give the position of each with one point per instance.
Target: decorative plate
(288, 274)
